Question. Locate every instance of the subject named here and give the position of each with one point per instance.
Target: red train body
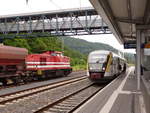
(16, 65)
(49, 62)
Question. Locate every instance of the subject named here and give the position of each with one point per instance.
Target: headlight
(103, 68)
(91, 68)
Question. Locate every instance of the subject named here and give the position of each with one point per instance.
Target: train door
(115, 65)
(42, 61)
(42, 66)
(119, 65)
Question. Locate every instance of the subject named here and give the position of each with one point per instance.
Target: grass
(79, 67)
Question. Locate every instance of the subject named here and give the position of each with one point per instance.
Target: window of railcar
(115, 61)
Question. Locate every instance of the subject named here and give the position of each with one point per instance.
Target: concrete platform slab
(120, 96)
(126, 103)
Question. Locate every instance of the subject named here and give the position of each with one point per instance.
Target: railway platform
(120, 96)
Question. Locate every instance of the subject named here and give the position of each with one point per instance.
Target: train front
(96, 66)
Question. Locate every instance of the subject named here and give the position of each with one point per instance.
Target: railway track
(63, 97)
(38, 81)
(7, 98)
(71, 102)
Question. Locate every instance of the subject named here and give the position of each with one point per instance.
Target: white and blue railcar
(104, 65)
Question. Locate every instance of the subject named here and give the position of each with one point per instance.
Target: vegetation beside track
(79, 67)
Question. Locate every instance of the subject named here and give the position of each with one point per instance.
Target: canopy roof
(122, 16)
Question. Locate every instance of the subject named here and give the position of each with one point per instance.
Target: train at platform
(17, 66)
(104, 65)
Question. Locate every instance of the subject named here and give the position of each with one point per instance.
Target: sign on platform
(129, 45)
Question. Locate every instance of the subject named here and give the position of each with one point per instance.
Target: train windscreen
(97, 58)
(97, 62)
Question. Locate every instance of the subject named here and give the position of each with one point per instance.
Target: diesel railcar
(104, 65)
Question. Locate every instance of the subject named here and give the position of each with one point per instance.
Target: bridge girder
(71, 22)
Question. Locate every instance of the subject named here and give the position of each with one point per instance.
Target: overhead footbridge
(76, 21)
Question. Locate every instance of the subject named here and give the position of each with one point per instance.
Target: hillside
(86, 47)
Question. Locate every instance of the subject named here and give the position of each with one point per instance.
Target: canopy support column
(138, 58)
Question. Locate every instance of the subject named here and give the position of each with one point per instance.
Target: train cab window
(59, 54)
(54, 54)
(97, 58)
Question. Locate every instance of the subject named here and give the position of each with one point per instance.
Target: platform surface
(120, 96)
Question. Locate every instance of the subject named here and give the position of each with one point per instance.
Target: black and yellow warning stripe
(109, 62)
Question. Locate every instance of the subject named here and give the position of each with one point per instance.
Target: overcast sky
(19, 6)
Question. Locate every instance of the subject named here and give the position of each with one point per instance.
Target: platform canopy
(122, 16)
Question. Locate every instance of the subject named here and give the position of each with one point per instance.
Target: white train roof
(100, 51)
(105, 52)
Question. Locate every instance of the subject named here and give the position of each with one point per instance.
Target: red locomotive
(50, 62)
(17, 66)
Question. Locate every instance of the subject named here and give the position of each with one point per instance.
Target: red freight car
(12, 55)
(12, 61)
(48, 63)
